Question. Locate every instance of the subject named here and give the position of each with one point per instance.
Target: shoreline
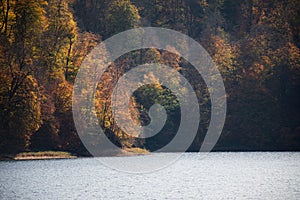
(40, 155)
(55, 155)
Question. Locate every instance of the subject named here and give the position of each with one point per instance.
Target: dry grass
(137, 151)
(43, 155)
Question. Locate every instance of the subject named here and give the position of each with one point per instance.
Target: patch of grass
(136, 151)
(40, 155)
(44, 154)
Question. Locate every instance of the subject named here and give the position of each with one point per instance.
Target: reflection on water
(217, 176)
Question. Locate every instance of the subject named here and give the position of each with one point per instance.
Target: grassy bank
(41, 155)
(45, 155)
(134, 151)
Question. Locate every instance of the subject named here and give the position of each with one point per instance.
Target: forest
(255, 45)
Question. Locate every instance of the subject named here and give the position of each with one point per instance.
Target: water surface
(251, 175)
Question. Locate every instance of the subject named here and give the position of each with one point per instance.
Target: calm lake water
(217, 176)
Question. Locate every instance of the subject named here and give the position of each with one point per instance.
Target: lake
(241, 175)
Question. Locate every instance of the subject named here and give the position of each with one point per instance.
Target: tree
(20, 106)
(121, 15)
(55, 68)
(58, 40)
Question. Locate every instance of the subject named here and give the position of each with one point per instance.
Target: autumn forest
(255, 45)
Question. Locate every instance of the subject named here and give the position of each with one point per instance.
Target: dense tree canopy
(255, 45)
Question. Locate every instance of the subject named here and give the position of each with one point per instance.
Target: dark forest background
(255, 45)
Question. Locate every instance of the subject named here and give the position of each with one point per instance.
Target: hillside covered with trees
(255, 45)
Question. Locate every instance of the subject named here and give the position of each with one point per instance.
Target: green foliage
(120, 16)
